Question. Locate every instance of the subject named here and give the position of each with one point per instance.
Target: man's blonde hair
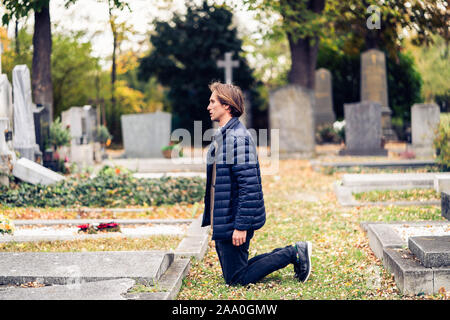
(229, 95)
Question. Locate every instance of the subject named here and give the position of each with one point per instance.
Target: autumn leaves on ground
(300, 205)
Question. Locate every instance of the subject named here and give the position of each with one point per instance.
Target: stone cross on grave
(228, 65)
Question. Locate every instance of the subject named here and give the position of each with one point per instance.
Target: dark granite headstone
(445, 205)
(432, 251)
(363, 129)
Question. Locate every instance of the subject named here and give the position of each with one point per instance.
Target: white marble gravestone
(145, 134)
(82, 123)
(424, 122)
(292, 113)
(24, 139)
(6, 104)
(323, 112)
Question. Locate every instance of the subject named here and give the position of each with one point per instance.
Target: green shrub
(112, 187)
(59, 136)
(327, 134)
(442, 142)
(103, 134)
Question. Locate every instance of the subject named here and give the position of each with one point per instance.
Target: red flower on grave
(107, 225)
(84, 226)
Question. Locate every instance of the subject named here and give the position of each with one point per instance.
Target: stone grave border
(194, 244)
(345, 198)
(410, 275)
(344, 194)
(399, 164)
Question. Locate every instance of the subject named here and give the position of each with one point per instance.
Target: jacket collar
(229, 125)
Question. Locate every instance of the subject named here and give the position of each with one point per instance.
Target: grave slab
(32, 172)
(411, 277)
(98, 290)
(146, 267)
(389, 181)
(389, 243)
(432, 251)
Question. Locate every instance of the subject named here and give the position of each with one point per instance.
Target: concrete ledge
(169, 284)
(411, 277)
(99, 290)
(195, 243)
(430, 250)
(382, 236)
(51, 222)
(145, 267)
(376, 164)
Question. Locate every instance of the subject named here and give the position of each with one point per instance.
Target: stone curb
(410, 275)
(32, 238)
(170, 283)
(376, 164)
(195, 243)
(345, 198)
(84, 221)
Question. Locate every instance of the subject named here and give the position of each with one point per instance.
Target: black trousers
(237, 269)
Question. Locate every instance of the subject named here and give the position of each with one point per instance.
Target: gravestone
(144, 135)
(323, 112)
(32, 172)
(228, 64)
(6, 104)
(445, 204)
(292, 113)
(374, 87)
(24, 133)
(42, 127)
(7, 156)
(82, 123)
(363, 129)
(424, 122)
(246, 117)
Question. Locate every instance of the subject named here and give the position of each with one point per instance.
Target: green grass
(398, 195)
(343, 265)
(110, 244)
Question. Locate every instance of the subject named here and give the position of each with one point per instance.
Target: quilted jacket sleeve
(244, 171)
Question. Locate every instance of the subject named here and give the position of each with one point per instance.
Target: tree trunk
(304, 51)
(16, 37)
(41, 70)
(113, 73)
(304, 59)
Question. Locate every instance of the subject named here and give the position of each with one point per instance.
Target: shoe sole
(309, 248)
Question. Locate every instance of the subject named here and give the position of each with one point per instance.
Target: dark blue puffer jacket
(238, 196)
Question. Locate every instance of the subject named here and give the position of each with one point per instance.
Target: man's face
(216, 109)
